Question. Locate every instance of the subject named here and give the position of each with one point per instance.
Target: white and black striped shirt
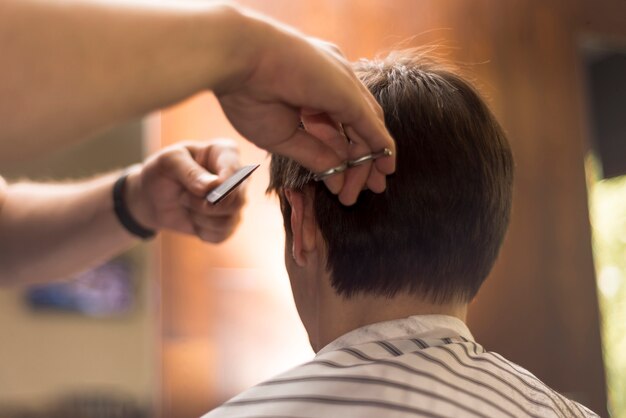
(425, 366)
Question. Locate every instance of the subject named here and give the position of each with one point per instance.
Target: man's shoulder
(444, 377)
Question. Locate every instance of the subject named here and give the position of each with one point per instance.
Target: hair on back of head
(437, 229)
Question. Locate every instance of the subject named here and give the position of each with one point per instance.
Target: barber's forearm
(73, 67)
(48, 232)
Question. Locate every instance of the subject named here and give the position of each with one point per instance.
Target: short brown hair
(437, 229)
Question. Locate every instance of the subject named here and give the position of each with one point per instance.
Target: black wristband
(123, 215)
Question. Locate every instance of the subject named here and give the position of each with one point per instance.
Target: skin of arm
(73, 67)
(50, 231)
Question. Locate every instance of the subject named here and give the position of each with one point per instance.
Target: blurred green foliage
(607, 200)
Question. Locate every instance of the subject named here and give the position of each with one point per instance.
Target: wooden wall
(539, 306)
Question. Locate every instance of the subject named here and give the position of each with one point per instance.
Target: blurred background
(180, 326)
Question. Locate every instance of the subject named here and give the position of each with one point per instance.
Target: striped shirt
(426, 366)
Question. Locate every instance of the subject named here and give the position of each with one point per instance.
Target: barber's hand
(294, 76)
(168, 190)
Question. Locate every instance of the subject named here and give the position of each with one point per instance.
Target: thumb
(191, 175)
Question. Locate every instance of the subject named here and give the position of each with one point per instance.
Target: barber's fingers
(181, 166)
(353, 106)
(211, 236)
(3, 190)
(231, 203)
(219, 156)
(377, 181)
(215, 223)
(323, 128)
(224, 157)
(367, 126)
(356, 177)
(363, 119)
(347, 102)
(314, 154)
(214, 229)
(384, 165)
(329, 47)
(376, 107)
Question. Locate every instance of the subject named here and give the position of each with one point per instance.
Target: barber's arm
(49, 231)
(73, 67)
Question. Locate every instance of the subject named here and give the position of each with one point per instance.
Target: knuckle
(324, 160)
(226, 144)
(329, 46)
(336, 49)
(191, 173)
(184, 144)
(378, 109)
(169, 158)
(206, 236)
(212, 237)
(230, 223)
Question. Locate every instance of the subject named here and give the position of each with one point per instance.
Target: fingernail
(207, 178)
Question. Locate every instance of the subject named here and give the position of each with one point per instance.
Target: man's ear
(303, 227)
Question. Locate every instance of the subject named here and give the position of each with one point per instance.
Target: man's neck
(340, 316)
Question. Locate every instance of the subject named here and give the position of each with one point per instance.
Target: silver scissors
(385, 152)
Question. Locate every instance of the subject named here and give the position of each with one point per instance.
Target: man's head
(436, 230)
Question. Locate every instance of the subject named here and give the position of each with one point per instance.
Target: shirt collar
(418, 326)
